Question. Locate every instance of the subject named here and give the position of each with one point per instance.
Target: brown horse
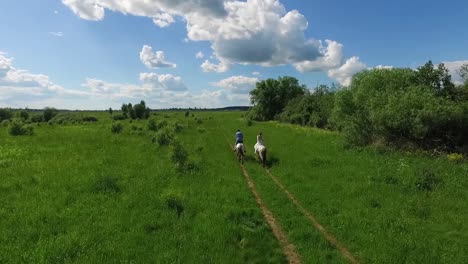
(240, 152)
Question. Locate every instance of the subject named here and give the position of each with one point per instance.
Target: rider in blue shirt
(239, 137)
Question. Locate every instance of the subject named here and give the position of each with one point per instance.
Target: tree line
(400, 107)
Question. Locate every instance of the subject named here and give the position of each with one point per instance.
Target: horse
(240, 152)
(261, 152)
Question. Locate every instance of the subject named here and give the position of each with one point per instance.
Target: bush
(49, 113)
(119, 117)
(37, 118)
(18, 128)
(154, 125)
(106, 184)
(187, 114)
(24, 114)
(248, 122)
(117, 128)
(5, 123)
(163, 137)
(90, 119)
(455, 157)
(427, 181)
(174, 201)
(5, 114)
(399, 107)
(179, 155)
(176, 127)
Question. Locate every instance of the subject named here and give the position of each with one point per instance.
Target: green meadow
(79, 193)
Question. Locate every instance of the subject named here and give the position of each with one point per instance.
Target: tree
(24, 114)
(124, 109)
(5, 114)
(463, 72)
(49, 113)
(131, 111)
(271, 96)
(110, 110)
(437, 78)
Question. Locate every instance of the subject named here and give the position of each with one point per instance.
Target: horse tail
(264, 157)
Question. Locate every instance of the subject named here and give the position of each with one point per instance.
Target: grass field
(79, 193)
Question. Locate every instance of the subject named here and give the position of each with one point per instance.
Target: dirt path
(288, 248)
(314, 222)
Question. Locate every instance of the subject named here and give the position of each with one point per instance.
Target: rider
(239, 138)
(260, 138)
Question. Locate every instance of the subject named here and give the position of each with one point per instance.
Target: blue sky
(89, 54)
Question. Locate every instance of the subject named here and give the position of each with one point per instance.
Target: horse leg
(264, 158)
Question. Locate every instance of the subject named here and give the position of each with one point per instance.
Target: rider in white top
(259, 143)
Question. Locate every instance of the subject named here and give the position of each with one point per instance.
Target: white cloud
(453, 67)
(86, 9)
(208, 66)
(19, 84)
(256, 73)
(56, 34)
(199, 55)
(56, 12)
(163, 19)
(345, 72)
(154, 59)
(258, 32)
(332, 57)
(237, 84)
(163, 81)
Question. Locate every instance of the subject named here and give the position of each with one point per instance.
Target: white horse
(261, 152)
(240, 152)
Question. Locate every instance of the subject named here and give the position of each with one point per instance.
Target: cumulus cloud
(154, 59)
(86, 9)
(20, 84)
(208, 66)
(345, 72)
(332, 57)
(95, 9)
(163, 19)
(199, 55)
(258, 32)
(452, 66)
(237, 84)
(163, 81)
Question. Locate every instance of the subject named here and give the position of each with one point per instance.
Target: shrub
(174, 201)
(117, 128)
(187, 114)
(119, 117)
(163, 137)
(37, 118)
(49, 113)
(248, 122)
(24, 114)
(106, 184)
(5, 123)
(90, 119)
(177, 127)
(427, 181)
(455, 157)
(5, 114)
(199, 120)
(152, 126)
(18, 128)
(179, 155)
